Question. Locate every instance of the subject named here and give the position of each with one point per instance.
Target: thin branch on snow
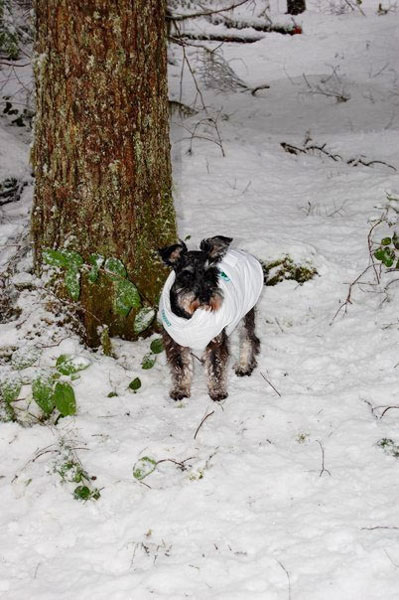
(271, 385)
(353, 162)
(323, 469)
(378, 527)
(387, 409)
(348, 299)
(288, 577)
(202, 422)
(180, 463)
(184, 17)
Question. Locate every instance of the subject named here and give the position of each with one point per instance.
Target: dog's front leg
(249, 346)
(181, 367)
(216, 358)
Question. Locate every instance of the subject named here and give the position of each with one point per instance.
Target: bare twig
(357, 6)
(179, 463)
(208, 13)
(387, 409)
(271, 385)
(323, 469)
(348, 299)
(11, 64)
(288, 577)
(202, 422)
(378, 527)
(389, 557)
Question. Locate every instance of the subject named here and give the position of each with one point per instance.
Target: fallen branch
(323, 469)
(387, 409)
(377, 527)
(202, 422)
(184, 17)
(288, 577)
(218, 37)
(311, 148)
(271, 385)
(348, 299)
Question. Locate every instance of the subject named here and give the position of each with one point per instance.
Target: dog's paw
(218, 396)
(241, 371)
(179, 394)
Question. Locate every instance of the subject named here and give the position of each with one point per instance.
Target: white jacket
(241, 281)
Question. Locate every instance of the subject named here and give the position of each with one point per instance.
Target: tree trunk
(101, 153)
(295, 7)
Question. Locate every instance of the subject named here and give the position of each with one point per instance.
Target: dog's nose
(204, 297)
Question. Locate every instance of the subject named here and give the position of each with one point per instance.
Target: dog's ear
(215, 247)
(171, 255)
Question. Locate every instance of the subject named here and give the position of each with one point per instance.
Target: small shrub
(71, 470)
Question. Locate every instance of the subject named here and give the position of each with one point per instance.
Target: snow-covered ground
(284, 492)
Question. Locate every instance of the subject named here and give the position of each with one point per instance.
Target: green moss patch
(276, 271)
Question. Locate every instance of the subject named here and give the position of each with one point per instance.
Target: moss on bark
(101, 153)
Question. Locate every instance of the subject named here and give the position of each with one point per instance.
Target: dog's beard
(188, 302)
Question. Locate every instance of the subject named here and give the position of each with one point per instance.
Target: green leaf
(24, 357)
(96, 260)
(143, 319)
(64, 397)
(379, 254)
(395, 240)
(157, 346)
(54, 258)
(82, 492)
(148, 361)
(43, 393)
(126, 297)
(135, 384)
(389, 256)
(72, 283)
(67, 364)
(386, 241)
(73, 258)
(62, 258)
(144, 467)
(9, 389)
(116, 269)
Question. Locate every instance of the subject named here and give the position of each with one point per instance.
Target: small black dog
(205, 297)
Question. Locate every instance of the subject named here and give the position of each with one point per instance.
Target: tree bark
(295, 7)
(101, 153)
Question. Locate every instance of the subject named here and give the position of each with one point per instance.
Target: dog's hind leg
(181, 367)
(249, 346)
(216, 358)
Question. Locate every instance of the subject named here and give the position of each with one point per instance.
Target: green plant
(135, 384)
(388, 251)
(156, 347)
(282, 269)
(389, 447)
(51, 389)
(9, 41)
(50, 393)
(144, 467)
(125, 294)
(10, 387)
(71, 471)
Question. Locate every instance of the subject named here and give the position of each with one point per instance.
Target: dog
(208, 293)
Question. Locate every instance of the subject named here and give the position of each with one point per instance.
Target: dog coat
(241, 282)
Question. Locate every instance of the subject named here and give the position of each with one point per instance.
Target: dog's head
(197, 276)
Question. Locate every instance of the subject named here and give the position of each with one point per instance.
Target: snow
(283, 492)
